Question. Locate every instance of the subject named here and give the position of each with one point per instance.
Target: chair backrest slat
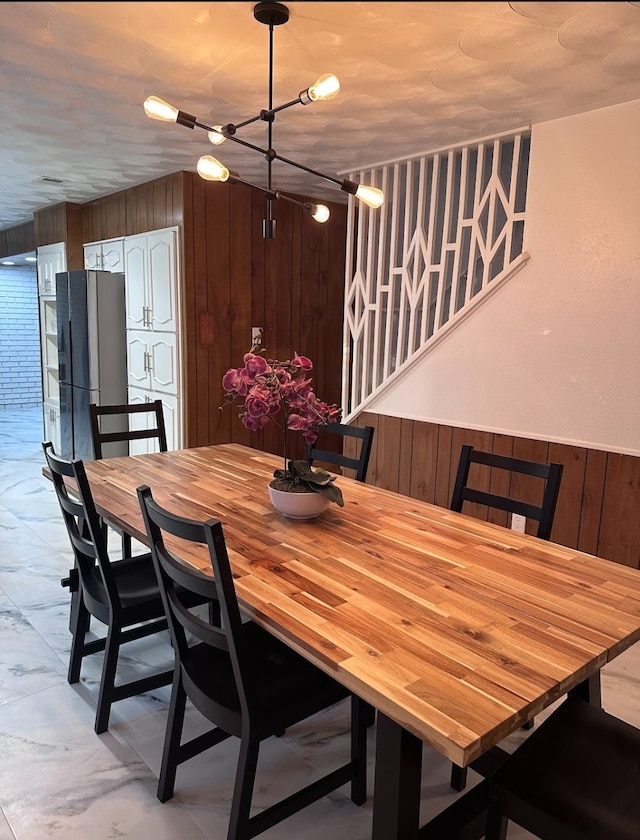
(360, 463)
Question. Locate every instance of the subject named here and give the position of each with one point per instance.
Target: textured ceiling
(415, 77)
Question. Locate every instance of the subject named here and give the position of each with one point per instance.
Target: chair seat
(138, 591)
(287, 688)
(580, 772)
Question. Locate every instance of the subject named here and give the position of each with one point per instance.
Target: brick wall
(20, 370)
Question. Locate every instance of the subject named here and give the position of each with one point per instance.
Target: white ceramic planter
(298, 505)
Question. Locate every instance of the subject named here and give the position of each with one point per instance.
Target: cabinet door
(93, 256)
(162, 280)
(138, 359)
(113, 255)
(171, 407)
(135, 272)
(51, 259)
(51, 423)
(164, 369)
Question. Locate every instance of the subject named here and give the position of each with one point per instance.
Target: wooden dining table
(456, 630)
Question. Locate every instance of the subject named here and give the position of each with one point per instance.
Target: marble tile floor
(58, 779)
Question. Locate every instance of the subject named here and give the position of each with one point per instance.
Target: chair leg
(108, 679)
(243, 789)
(497, 824)
(79, 621)
(172, 739)
(126, 544)
(458, 777)
(369, 714)
(360, 713)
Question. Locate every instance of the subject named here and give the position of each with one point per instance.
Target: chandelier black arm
(271, 154)
(268, 115)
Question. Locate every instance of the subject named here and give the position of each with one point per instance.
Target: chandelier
(271, 14)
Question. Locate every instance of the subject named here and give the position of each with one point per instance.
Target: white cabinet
(107, 255)
(151, 272)
(51, 259)
(153, 361)
(153, 319)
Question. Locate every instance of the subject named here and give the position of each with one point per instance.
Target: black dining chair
(114, 427)
(362, 436)
(120, 424)
(471, 487)
(242, 679)
(576, 777)
(123, 594)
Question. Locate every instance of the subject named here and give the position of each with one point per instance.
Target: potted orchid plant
(268, 389)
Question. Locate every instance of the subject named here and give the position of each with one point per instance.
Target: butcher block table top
(454, 628)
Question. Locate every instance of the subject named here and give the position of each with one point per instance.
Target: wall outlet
(256, 336)
(518, 522)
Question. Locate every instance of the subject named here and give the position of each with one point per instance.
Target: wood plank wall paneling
(17, 240)
(619, 536)
(599, 501)
(235, 279)
(50, 225)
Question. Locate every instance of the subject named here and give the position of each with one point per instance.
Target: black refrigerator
(92, 355)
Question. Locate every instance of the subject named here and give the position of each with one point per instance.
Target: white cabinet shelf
(51, 260)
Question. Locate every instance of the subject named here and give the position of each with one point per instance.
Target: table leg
(396, 797)
(589, 690)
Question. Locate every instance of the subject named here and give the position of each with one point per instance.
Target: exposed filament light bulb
(371, 196)
(158, 109)
(319, 212)
(211, 169)
(216, 136)
(326, 87)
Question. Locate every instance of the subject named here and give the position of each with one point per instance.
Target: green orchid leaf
(331, 491)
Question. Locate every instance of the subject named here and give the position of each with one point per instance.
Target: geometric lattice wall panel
(451, 229)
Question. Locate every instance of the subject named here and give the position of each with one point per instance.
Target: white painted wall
(555, 353)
